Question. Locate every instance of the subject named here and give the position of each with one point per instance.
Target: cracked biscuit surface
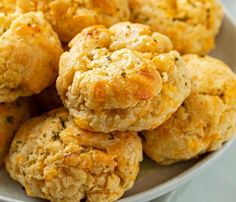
(206, 119)
(122, 78)
(190, 24)
(69, 17)
(12, 115)
(29, 56)
(54, 159)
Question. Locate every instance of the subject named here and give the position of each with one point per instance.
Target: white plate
(153, 180)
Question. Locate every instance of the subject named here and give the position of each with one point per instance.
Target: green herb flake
(55, 135)
(183, 19)
(123, 74)
(192, 4)
(9, 119)
(111, 137)
(176, 59)
(222, 95)
(146, 19)
(18, 142)
(108, 58)
(208, 13)
(62, 123)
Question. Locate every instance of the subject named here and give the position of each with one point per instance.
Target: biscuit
(55, 160)
(29, 56)
(6, 20)
(122, 78)
(12, 115)
(206, 119)
(191, 25)
(69, 17)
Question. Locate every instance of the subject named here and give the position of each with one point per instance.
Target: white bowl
(153, 180)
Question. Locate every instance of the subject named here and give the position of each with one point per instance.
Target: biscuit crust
(190, 24)
(29, 56)
(12, 115)
(7, 6)
(69, 17)
(54, 159)
(206, 119)
(122, 78)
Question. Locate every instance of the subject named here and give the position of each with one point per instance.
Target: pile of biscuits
(87, 86)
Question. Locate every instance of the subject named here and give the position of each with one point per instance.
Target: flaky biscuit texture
(206, 119)
(190, 24)
(29, 56)
(12, 115)
(69, 17)
(122, 78)
(54, 159)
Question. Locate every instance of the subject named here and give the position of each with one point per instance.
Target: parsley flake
(9, 119)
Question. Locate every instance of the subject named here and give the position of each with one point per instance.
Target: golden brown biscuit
(54, 159)
(206, 119)
(12, 115)
(6, 20)
(69, 17)
(191, 24)
(7, 6)
(122, 78)
(48, 99)
(29, 55)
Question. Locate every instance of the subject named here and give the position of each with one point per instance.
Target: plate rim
(180, 179)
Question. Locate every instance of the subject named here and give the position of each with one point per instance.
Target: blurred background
(231, 6)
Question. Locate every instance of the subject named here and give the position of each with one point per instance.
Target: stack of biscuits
(105, 81)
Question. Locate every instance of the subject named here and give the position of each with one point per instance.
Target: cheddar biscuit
(122, 78)
(190, 24)
(55, 160)
(12, 115)
(29, 55)
(206, 119)
(69, 17)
